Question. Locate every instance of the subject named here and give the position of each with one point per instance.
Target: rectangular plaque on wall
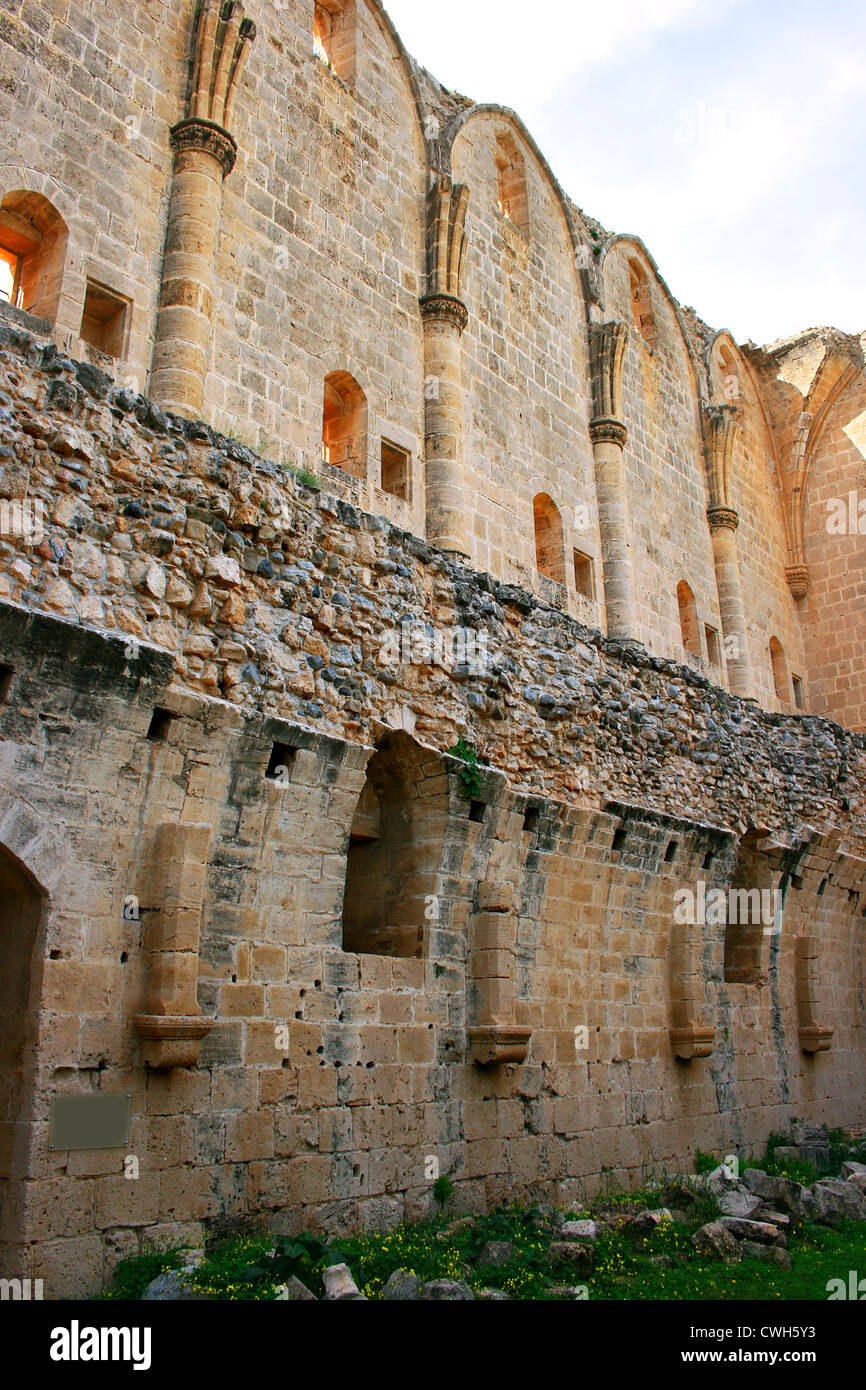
(89, 1122)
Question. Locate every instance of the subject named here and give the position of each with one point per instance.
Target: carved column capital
(606, 430)
(722, 519)
(444, 308)
(196, 134)
(798, 578)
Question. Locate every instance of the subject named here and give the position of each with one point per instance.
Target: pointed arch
(575, 233)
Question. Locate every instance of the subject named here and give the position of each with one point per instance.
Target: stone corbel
(171, 1023)
(814, 1037)
(495, 1036)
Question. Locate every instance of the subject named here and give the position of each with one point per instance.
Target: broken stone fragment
(447, 1291)
(294, 1291)
(761, 1231)
(714, 1241)
(650, 1219)
(580, 1230)
(496, 1253)
(578, 1255)
(403, 1286)
(339, 1284)
(738, 1201)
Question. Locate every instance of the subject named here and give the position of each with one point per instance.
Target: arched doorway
(395, 851)
(21, 914)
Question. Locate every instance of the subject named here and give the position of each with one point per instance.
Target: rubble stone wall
(178, 572)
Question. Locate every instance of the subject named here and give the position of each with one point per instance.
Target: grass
(629, 1266)
(623, 1271)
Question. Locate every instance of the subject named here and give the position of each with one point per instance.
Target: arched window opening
(334, 36)
(549, 546)
(689, 626)
(729, 376)
(780, 671)
(641, 303)
(33, 239)
(511, 178)
(344, 425)
(394, 854)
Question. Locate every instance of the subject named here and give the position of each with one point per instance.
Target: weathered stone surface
(738, 1201)
(836, 1200)
(496, 1253)
(762, 1232)
(782, 1192)
(582, 1230)
(294, 1291)
(716, 1241)
(446, 1291)
(651, 1218)
(403, 1286)
(172, 1288)
(770, 1254)
(339, 1284)
(579, 1255)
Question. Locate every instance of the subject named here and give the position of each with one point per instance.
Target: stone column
(204, 154)
(723, 523)
(445, 317)
(444, 320)
(608, 435)
(719, 428)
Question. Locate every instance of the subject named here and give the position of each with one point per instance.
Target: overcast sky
(728, 134)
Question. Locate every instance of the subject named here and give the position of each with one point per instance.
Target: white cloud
(494, 50)
(727, 135)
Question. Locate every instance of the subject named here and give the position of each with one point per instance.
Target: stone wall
(319, 248)
(180, 574)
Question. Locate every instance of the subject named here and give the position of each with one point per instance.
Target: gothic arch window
(690, 631)
(511, 182)
(344, 424)
(549, 546)
(334, 36)
(641, 303)
(729, 376)
(33, 238)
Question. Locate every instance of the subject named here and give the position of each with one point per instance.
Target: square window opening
(160, 722)
(104, 320)
(281, 763)
(396, 471)
(584, 579)
(714, 648)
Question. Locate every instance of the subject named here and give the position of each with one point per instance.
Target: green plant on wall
(470, 772)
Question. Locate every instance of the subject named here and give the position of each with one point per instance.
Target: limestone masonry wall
(409, 615)
(179, 573)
